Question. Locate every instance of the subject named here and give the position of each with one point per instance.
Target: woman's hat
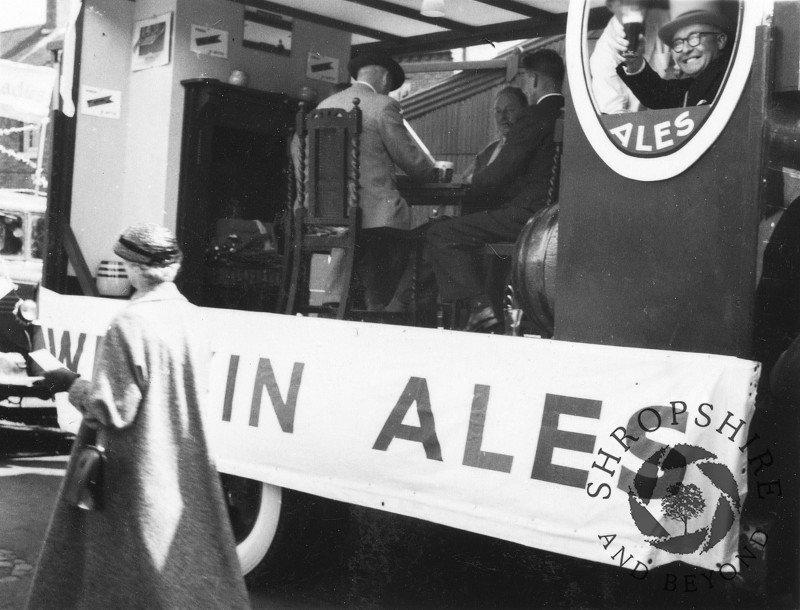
(693, 13)
(148, 244)
(377, 58)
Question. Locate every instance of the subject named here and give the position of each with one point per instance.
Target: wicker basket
(249, 288)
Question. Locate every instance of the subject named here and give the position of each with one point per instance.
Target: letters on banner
(624, 456)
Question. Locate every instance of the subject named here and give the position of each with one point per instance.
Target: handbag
(83, 485)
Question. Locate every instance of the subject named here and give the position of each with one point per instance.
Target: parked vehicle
(22, 222)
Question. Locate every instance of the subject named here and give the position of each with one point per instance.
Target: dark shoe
(482, 321)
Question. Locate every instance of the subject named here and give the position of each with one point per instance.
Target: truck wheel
(254, 508)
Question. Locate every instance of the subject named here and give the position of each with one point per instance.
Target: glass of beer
(633, 25)
(444, 171)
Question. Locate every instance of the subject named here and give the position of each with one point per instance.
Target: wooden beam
(320, 20)
(410, 13)
(451, 66)
(499, 32)
(518, 7)
(85, 278)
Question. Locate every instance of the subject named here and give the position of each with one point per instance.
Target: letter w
(66, 349)
(265, 377)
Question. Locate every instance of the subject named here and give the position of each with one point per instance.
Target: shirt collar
(544, 97)
(165, 291)
(366, 84)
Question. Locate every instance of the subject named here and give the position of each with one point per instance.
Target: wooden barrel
(533, 270)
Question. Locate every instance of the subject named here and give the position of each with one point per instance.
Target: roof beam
(321, 20)
(515, 6)
(500, 32)
(410, 13)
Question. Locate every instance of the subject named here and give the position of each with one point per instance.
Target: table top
(431, 193)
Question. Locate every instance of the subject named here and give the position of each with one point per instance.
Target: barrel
(533, 269)
(112, 279)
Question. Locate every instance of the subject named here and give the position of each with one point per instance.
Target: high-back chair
(499, 256)
(328, 183)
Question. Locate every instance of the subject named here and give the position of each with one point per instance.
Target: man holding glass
(698, 39)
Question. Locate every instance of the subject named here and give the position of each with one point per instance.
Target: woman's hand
(57, 380)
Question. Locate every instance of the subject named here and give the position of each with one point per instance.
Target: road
(28, 487)
(381, 561)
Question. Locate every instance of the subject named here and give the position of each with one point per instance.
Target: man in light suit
(386, 144)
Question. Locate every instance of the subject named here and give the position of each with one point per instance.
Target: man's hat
(378, 58)
(693, 13)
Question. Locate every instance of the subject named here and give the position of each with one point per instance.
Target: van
(22, 243)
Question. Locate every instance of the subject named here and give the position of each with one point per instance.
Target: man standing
(526, 157)
(386, 144)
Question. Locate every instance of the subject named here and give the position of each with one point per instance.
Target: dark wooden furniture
(233, 156)
(328, 183)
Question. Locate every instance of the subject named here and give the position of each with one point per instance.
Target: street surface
(368, 559)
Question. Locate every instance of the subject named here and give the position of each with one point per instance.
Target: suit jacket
(482, 158)
(385, 145)
(520, 175)
(482, 197)
(655, 92)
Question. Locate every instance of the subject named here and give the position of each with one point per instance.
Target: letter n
(265, 377)
(416, 391)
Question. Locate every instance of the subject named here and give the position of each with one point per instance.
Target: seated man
(699, 43)
(508, 106)
(526, 159)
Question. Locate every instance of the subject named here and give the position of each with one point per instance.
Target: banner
(624, 456)
(26, 91)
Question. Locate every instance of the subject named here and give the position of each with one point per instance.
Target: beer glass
(633, 25)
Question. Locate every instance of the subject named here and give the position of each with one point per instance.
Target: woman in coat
(162, 538)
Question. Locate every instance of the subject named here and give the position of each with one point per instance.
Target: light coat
(163, 538)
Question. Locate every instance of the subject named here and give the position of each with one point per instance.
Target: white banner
(623, 456)
(26, 91)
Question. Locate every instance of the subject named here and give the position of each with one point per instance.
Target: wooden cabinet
(234, 162)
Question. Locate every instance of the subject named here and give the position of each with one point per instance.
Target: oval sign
(656, 144)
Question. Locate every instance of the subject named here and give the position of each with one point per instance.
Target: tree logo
(660, 488)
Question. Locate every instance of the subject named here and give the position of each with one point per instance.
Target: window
(12, 227)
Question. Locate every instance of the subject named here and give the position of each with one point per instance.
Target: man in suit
(526, 160)
(386, 144)
(508, 106)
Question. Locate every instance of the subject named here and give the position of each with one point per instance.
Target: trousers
(454, 243)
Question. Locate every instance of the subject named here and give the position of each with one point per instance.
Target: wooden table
(431, 199)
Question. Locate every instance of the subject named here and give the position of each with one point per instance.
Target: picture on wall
(267, 31)
(152, 42)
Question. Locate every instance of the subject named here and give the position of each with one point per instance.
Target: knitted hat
(148, 244)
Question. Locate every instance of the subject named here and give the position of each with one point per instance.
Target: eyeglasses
(692, 40)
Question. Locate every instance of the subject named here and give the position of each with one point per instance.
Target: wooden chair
(499, 255)
(328, 183)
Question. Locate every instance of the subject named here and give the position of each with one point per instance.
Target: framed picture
(152, 40)
(267, 31)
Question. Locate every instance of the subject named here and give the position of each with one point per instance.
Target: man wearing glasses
(699, 43)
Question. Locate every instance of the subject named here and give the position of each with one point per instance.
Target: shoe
(482, 321)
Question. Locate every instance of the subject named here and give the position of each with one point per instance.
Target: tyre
(254, 509)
